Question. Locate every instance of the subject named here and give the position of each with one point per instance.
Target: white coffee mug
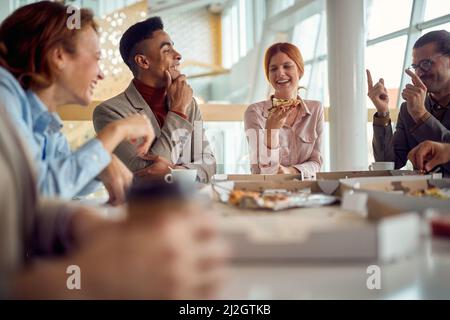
(184, 176)
(382, 166)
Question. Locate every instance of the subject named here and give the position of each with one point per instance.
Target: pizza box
(330, 233)
(255, 177)
(386, 183)
(222, 188)
(395, 193)
(337, 175)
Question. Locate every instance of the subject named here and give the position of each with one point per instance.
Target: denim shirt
(61, 172)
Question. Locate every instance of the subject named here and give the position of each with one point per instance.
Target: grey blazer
(179, 140)
(389, 146)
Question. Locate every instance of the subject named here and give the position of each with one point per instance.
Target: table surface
(424, 275)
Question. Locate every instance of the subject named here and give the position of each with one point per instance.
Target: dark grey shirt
(389, 146)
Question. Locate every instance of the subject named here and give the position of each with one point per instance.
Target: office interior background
(223, 43)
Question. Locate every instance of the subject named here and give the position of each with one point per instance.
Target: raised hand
(136, 129)
(378, 94)
(414, 95)
(179, 93)
(277, 119)
(140, 132)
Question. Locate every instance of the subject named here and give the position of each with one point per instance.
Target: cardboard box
(381, 183)
(319, 176)
(389, 195)
(397, 184)
(221, 189)
(255, 177)
(360, 174)
(332, 233)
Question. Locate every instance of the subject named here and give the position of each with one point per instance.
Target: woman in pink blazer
(285, 132)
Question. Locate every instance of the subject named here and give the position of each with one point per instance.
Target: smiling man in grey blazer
(161, 92)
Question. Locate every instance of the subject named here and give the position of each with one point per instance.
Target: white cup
(183, 176)
(382, 166)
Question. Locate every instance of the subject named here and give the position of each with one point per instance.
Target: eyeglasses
(425, 64)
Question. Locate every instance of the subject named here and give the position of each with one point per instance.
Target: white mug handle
(168, 178)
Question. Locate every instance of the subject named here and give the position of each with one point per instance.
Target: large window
(310, 37)
(445, 26)
(305, 36)
(385, 60)
(437, 8)
(390, 24)
(100, 7)
(386, 16)
(241, 27)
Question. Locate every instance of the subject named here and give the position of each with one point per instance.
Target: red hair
(29, 34)
(290, 50)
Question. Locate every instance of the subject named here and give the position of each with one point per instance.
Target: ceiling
(160, 6)
(104, 7)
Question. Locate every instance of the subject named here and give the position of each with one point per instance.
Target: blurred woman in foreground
(45, 242)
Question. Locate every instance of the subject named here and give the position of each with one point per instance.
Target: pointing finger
(369, 80)
(415, 79)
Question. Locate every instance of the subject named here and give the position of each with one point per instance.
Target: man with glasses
(424, 114)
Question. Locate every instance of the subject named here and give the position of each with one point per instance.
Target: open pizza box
(400, 194)
(339, 232)
(338, 175)
(319, 176)
(256, 177)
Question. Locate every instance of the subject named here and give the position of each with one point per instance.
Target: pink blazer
(299, 145)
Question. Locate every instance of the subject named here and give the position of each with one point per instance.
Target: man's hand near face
(414, 96)
(179, 93)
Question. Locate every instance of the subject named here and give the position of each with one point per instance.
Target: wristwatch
(383, 114)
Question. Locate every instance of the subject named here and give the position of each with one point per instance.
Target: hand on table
(160, 167)
(429, 155)
(288, 170)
